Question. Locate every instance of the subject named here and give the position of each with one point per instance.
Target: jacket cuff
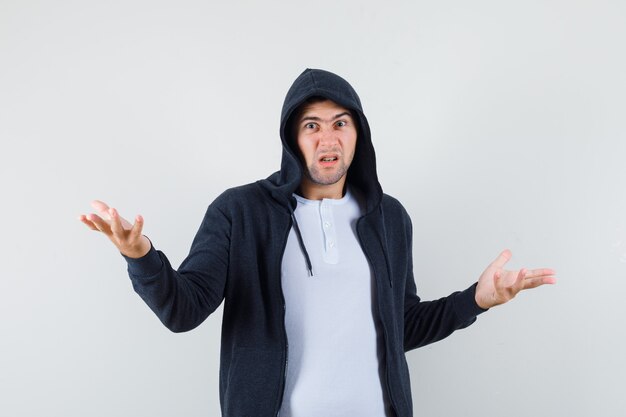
(465, 303)
(148, 265)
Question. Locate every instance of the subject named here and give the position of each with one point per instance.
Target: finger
(116, 224)
(89, 224)
(536, 282)
(101, 206)
(135, 232)
(502, 259)
(102, 225)
(519, 281)
(497, 279)
(125, 224)
(497, 286)
(540, 272)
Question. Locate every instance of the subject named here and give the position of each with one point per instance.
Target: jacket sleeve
(182, 299)
(429, 321)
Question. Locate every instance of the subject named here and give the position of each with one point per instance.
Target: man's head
(326, 136)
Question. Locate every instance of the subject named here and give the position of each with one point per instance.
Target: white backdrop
(497, 124)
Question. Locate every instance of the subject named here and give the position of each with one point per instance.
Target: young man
(314, 265)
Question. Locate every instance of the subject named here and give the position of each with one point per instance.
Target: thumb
(502, 259)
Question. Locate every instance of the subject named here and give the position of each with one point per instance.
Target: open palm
(497, 285)
(125, 236)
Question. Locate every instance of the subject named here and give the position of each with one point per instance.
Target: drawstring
(306, 254)
(386, 248)
(301, 242)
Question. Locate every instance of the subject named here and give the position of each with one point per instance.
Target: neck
(313, 191)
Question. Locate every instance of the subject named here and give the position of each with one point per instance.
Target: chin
(325, 180)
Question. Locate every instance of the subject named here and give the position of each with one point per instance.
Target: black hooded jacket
(237, 253)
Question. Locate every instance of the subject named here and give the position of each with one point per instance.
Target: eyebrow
(317, 119)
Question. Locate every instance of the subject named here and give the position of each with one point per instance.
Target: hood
(362, 172)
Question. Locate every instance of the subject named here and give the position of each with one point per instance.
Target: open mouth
(328, 159)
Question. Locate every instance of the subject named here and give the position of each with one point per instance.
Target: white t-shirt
(334, 349)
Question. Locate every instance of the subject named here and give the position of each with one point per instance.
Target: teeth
(328, 159)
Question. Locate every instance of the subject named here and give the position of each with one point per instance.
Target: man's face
(326, 136)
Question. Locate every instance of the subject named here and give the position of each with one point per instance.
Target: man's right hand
(125, 236)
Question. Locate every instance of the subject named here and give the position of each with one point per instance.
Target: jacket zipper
(282, 295)
(392, 403)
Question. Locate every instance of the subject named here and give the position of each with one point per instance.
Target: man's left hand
(497, 285)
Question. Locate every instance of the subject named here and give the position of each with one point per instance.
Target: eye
(342, 123)
(309, 126)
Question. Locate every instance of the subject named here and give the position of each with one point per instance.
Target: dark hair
(298, 111)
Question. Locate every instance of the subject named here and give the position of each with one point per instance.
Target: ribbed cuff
(148, 265)
(465, 303)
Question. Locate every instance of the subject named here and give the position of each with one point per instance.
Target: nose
(328, 137)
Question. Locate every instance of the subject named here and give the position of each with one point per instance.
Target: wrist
(481, 302)
(142, 249)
